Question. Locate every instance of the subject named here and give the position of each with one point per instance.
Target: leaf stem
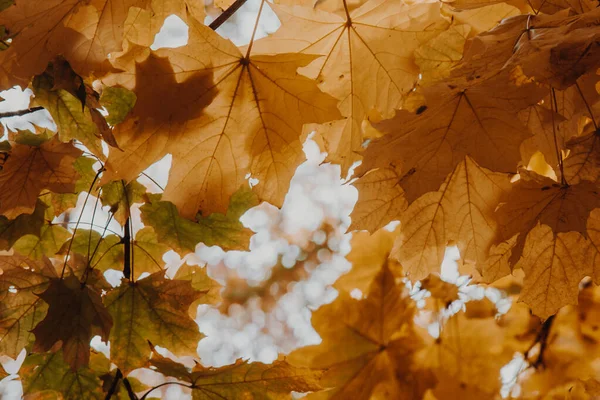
(225, 15)
(586, 106)
(554, 109)
(262, 3)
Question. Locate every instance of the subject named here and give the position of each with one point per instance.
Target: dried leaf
(30, 169)
(75, 315)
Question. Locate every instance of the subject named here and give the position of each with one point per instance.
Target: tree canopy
(473, 123)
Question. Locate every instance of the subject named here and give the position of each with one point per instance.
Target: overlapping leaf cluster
(476, 124)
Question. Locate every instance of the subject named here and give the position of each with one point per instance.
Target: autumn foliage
(475, 124)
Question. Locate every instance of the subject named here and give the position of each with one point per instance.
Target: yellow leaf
(248, 121)
(368, 256)
(462, 212)
(366, 343)
(367, 60)
(554, 264)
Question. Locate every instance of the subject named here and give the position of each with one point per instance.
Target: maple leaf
(427, 146)
(461, 211)
(467, 358)
(183, 235)
(583, 163)
(241, 380)
(536, 198)
(13, 229)
(20, 309)
(369, 253)
(47, 243)
(118, 102)
(85, 33)
(437, 57)
(48, 373)
(70, 106)
(558, 52)
(380, 199)
(554, 265)
(120, 196)
(366, 343)
(201, 282)
(154, 309)
(30, 169)
(498, 264)
(108, 252)
(217, 132)
(75, 315)
(367, 60)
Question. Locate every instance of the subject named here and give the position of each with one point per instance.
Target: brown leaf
(427, 146)
(535, 198)
(84, 32)
(75, 315)
(30, 169)
(20, 308)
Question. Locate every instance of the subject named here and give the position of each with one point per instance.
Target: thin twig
(164, 384)
(18, 113)
(113, 387)
(225, 15)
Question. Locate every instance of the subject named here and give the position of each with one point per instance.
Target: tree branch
(18, 113)
(226, 14)
(542, 339)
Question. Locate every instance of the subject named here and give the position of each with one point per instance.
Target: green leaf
(118, 102)
(48, 243)
(202, 282)
(25, 224)
(154, 309)
(29, 138)
(182, 235)
(20, 308)
(120, 196)
(72, 119)
(49, 371)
